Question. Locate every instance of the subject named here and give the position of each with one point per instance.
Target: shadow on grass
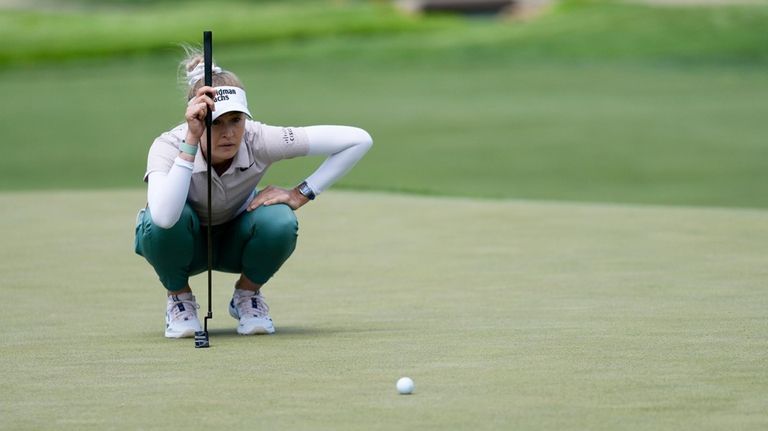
(281, 331)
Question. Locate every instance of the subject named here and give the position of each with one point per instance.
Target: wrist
(192, 140)
(298, 198)
(187, 157)
(186, 148)
(306, 191)
(187, 151)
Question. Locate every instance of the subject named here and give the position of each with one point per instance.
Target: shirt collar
(241, 160)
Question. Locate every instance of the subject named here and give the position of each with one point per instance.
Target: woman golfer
(253, 231)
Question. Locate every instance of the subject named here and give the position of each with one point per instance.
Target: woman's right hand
(197, 107)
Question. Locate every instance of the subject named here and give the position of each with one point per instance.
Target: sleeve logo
(288, 136)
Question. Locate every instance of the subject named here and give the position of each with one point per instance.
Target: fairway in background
(585, 104)
(506, 314)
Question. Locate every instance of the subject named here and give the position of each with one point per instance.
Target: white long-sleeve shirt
(174, 181)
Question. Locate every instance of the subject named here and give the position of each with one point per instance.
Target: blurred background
(643, 101)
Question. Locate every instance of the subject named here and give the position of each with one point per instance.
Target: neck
(222, 167)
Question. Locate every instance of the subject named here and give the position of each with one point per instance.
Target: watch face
(306, 191)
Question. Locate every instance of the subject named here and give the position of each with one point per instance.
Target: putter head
(201, 340)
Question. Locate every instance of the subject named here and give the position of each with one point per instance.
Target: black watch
(305, 190)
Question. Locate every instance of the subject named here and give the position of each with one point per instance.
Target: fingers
(203, 99)
(196, 111)
(270, 196)
(205, 90)
(255, 204)
(259, 199)
(206, 94)
(198, 107)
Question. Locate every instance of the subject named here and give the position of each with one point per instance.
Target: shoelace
(190, 309)
(252, 305)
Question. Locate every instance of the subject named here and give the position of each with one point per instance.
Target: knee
(276, 222)
(157, 244)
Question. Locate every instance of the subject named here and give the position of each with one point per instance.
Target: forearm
(345, 146)
(167, 193)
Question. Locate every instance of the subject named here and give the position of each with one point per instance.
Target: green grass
(592, 102)
(508, 315)
(590, 30)
(595, 132)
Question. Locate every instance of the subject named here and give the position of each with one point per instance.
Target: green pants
(255, 243)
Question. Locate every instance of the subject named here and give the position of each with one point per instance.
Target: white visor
(230, 99)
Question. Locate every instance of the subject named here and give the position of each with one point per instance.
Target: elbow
(162, 219)
(364, 139)
(164, 223)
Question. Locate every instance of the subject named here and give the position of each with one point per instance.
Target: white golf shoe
(253, 313)
(181, 316)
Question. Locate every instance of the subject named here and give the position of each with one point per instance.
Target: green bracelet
(188, 149)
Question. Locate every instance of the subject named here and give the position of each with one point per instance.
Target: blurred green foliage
(574, 30)
(67, 33)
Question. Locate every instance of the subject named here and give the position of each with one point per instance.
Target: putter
(201, 337)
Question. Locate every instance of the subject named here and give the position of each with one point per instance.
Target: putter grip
(207, 56)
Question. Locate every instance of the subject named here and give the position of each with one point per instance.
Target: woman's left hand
(275, 195)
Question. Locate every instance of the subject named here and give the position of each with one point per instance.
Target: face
(227, 134)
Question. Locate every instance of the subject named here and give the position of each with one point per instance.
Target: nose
(227, 131)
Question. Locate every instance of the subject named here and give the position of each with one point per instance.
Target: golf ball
(405, 385)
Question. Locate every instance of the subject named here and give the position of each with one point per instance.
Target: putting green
(507, 314)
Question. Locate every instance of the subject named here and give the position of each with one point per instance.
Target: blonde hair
(191, 73)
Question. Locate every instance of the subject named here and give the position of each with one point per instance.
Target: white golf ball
(405, 385)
